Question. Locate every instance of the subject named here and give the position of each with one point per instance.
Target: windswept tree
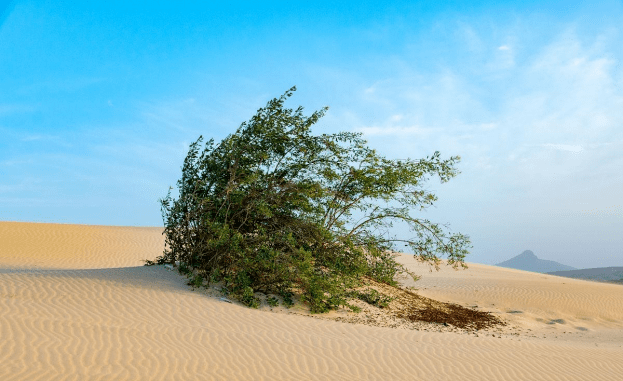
(273, 208)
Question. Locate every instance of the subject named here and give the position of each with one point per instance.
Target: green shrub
(196, 281)
(248, 298)
(183, 269)
(375, 298)
(286, 297)
(272, 301)
(273, 208)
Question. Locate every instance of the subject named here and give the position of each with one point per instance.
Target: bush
(272, 301)
(275, 209)
(196, 281)
(375, 298)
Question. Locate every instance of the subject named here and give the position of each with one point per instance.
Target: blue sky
(99, 101)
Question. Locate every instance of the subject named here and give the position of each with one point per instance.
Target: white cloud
(184, 115)
(397, 118)
(67, 84)
(470, 37)
(613, 210)
(58, 140)
(488, 126)
(370, 90)
(539, 128)
(565, 147)
(396, 130)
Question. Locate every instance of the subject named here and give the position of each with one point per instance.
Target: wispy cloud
(541, 126)
(35, 137)
(396, 131)
(612, 210)
(565, 147)
(69, 84)
(183, 115)
(25, 184)
(56, 140)
(468, 34)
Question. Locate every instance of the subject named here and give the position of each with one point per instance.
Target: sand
(77, 304)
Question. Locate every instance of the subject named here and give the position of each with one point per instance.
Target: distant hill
(600, 274)
(529, 262)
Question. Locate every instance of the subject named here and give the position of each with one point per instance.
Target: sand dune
(65, 246)
(76, 304)
(547, 304)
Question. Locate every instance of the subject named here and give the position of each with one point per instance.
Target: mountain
(601, 274)
(529, 262)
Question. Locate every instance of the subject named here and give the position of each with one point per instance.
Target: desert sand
(76, 303)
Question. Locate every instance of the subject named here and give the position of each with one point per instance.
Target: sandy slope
(67, 311)
(65, 246)
(547, 305)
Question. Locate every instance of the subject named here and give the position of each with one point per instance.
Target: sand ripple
(65, 246)
(90, 318)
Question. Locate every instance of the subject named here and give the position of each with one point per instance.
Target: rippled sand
(77, 304)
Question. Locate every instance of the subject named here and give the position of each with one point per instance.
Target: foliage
(375, 298)
(196, 281)
(272, 301)
(273, 208)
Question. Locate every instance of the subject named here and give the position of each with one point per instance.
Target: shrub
(196, 281)
(375, 298)
(275, 209)
(272, 301)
